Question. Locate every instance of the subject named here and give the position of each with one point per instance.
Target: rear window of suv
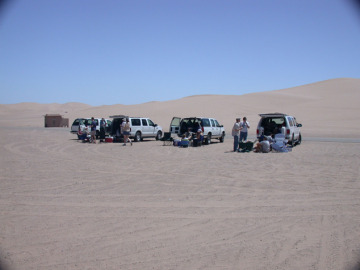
(135, 122)
(277, 121)
(88, 122)
(205, 122)
(291, 123)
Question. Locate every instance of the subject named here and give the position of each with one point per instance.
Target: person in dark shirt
(102, 129)
(93, 130)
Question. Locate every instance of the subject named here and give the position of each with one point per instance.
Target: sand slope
(327, 108)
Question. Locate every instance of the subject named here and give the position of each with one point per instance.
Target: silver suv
(273, 123)
(141, 127)
(209, 126)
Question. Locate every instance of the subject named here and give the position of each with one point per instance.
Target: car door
(214, 129)
(219, 127)
(175, 125)
(152, 128)
(146, 129)
(296, 129)
(291, 126)
(76, 124)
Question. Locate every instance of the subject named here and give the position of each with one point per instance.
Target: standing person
(93, 130)
(102, 129)
(244, 129)
(236, 133)
(125, 128)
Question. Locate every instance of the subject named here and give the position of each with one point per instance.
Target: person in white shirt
(263, 146)
(244, 129)
(236, 134)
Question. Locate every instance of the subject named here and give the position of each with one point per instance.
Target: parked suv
(273, 123)
(141, 127)
(209, 126)
(80, 123)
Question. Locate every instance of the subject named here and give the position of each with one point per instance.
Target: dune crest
(320, 106)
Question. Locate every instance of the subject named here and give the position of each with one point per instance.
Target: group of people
(240, 131)
(90, 135)
(190, 136)
(265, 143)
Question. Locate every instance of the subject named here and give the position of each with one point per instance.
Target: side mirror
(155, 125)
(299, 125)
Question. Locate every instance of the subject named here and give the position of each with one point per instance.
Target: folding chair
(167, 139)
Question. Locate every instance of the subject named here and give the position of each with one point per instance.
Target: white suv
(209, 126)
(141, 127)
(273, 123)
(81, 123)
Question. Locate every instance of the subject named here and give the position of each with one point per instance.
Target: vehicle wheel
(299, 140)
(158, 136)
(222, 138)
(292, 141)
(137, 137)
(208, 139)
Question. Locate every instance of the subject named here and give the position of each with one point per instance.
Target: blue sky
(136, 51)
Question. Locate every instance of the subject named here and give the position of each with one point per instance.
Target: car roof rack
(118, 116)
(272, 114)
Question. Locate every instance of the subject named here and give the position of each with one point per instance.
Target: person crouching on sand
(263, 146)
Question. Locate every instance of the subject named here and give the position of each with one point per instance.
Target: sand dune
(71, 205)
(327, 108)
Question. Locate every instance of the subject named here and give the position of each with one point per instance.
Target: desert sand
(71, 205)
